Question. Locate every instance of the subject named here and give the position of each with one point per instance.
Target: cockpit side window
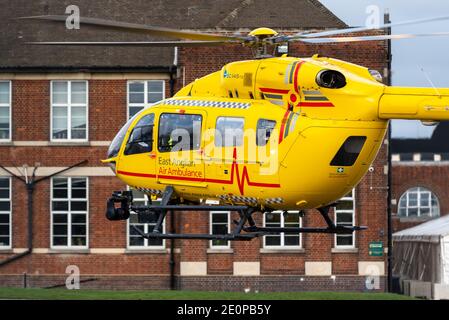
(179, 132)
(141, 138)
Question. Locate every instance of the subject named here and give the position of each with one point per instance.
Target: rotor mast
(261, 45)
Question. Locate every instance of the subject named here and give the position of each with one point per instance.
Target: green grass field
(63, 294)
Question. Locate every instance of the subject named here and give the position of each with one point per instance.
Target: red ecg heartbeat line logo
(235, 172)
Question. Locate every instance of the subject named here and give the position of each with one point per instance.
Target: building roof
(438, 143)
(218, 15)
(430, 231)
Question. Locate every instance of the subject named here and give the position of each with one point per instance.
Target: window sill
(69, 143)
(6, 250)
(68, 251)
(345, 250)
(6, 143)
(283, 250)
(416, 219)
(220, 251)
(147, 251)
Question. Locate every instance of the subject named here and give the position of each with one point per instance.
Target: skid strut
(245, 223)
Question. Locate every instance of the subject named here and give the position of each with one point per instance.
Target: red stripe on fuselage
(316, 104)
(295, 77)
(235, 172)
(134, 174)
(271, 90)
(284, 121)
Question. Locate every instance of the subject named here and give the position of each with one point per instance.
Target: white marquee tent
(421, 253)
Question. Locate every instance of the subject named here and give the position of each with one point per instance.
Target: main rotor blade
(141, 28)
(371, 38)
(134, 43)
(360, 29)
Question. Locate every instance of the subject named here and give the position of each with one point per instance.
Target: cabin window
(264, 130)
(143, 94)
(219, 224)
(349, 152)
(229, 132)
(69, 110)
(5, 110)
(141, 138)
(179, 132)
(345, 216)
(277, 219)
(5, 213)
(135, 240)
(69, 212)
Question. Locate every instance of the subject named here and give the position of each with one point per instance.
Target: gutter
(62, 69)
(172, 262)
(389, 176)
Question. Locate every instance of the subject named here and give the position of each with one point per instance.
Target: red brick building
(420, 187)
(60, 106)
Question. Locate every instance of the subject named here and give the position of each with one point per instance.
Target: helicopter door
(180, 149)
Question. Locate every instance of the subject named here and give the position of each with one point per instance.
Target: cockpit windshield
(114, 148)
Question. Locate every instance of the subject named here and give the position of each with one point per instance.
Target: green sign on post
(376, 249)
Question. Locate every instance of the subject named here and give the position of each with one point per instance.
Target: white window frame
(282, 246)
(69, 106)
(145, 103)
(145, 245)
(9, 105)
(10, 215)
(69, 245)
(211, 245)
(353, 199)
(419, 191)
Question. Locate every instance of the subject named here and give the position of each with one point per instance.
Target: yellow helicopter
(272, 133)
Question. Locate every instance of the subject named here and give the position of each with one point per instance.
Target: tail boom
(426, 104)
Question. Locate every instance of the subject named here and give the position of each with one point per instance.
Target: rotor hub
(262, 33)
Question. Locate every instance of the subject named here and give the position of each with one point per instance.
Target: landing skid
(245, 223)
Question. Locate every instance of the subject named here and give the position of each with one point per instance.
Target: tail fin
(426, 104)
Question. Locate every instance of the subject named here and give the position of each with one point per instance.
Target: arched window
(419, 202)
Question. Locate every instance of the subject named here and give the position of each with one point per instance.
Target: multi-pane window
(142, 94)
(5, 110)
(69, 212)
(280, 219)
(344, 216)
(179, 132)
(219, 224)
(5, 213)
(229, 132)
(419, 202)
(69, 110)
(135, 241)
